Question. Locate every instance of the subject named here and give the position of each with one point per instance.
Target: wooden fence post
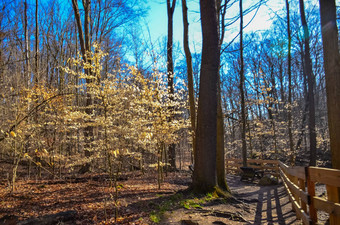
(295, 181)
(302, 186)
(333, 196)
(311, 192)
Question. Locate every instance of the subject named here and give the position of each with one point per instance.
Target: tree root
(229, 215)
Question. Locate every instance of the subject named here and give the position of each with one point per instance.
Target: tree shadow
(272, 202)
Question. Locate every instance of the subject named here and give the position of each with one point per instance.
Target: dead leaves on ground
(93, 200)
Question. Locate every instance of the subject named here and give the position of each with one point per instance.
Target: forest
(102, 123)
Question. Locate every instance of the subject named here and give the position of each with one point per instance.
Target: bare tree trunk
(80, 28)
(27, 66)
(243, 107)
(205, 176)
(89, 100)
(189, 71)
(330, 41)
(170, 71)
(36, 43)
(220, 152)
(332, 71)
(290, 132)
(85, 46)
(309, 71)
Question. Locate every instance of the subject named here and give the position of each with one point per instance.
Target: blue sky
(157, 20)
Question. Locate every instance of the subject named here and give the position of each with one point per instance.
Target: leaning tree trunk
(189, 71)
(309, 71)
(205, 177)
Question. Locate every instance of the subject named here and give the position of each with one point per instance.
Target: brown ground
(255, 205)
(89, 200)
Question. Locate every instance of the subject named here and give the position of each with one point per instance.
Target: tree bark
(189, 71)
(330, 41)
(290, 132)
(220, 152)
(85, 46)
(80, 28)
(27, 62)
(332, 73)
(309, 71)
(243, 110)
(205, 177)
(170, 72)
(36, 76)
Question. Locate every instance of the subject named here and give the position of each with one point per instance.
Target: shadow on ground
(253, 204)
(270, 203)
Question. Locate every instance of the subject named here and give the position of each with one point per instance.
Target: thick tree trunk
(330, 40)
(205, 177)
(332, 72)
(170, 72)
(189, 71)
(309, 71)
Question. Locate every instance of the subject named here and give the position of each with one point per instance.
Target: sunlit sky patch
(157, 20)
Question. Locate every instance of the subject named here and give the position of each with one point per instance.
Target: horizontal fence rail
(331, 178)
(299, 183)
(268, 166)
(294, 180)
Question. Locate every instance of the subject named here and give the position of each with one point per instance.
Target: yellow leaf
(13, 134)
(115, 153)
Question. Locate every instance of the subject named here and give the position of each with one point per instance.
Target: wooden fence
(268, 166)
(300, 183)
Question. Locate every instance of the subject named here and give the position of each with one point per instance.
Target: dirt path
(257, 205)
(268, 204)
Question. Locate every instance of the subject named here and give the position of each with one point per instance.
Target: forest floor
(88, 199)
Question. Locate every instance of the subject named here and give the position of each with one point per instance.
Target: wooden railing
(268, 166)
(300, 183)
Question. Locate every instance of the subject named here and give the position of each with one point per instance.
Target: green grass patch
(155, 217)
(192, 203)
(179, 200)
